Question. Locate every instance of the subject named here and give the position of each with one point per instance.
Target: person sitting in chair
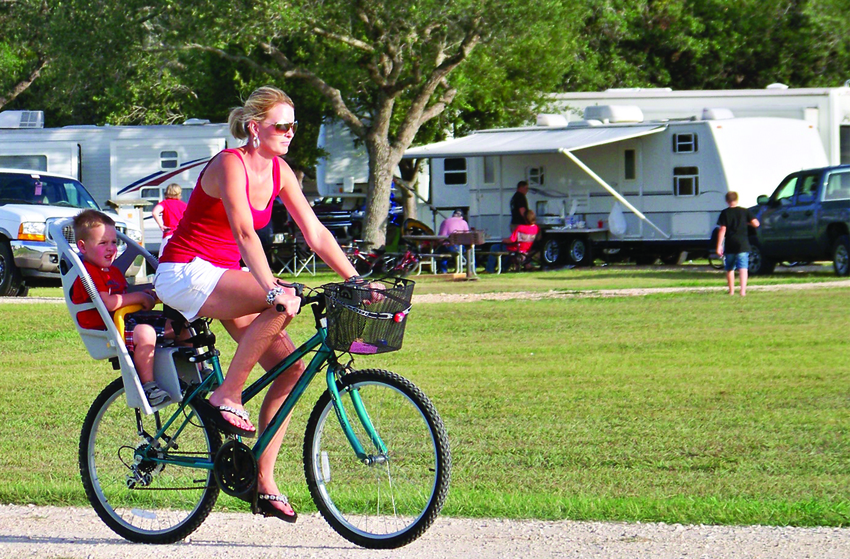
(519, 242)
(449, 226)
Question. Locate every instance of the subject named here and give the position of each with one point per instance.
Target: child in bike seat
(97, 242)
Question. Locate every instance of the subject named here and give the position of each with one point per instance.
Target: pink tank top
(172, 213)
(205, 230)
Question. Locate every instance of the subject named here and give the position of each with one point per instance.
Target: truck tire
(10, 276)
(551, 252)
(759, 264)
(579, 251)
(841, 256)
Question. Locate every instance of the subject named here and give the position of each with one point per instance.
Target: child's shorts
(736, 261)
(154, 318)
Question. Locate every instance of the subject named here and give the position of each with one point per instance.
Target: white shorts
(186, 286)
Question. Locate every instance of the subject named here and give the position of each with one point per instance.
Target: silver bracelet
(272, 294)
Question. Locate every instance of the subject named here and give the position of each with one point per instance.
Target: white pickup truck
(29, 201)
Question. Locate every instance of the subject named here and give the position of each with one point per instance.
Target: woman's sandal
(213, 413)
(265, 506)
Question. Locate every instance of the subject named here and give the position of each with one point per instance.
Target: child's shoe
(156, 396)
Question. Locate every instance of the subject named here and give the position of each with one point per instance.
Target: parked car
(29, 201)
(343, 216)
(807, 218)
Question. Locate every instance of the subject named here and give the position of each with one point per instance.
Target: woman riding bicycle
(200, 275)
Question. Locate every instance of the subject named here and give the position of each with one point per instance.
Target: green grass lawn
(691, 408)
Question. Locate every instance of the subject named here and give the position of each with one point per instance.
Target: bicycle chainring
(235, 468)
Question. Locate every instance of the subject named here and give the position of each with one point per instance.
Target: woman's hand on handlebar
(376, 289)
(288, 302)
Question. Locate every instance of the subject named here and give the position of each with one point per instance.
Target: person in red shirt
(168, 213)
(521, 239)
(200, 273)
(97, 242)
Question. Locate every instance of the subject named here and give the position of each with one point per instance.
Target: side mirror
(762, 200)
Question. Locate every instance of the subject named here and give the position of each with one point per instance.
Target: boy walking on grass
(734, 225)
(98, 245)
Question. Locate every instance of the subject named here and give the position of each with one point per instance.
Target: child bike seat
(109, 343)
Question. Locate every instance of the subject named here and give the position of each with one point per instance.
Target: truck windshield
(35, 189)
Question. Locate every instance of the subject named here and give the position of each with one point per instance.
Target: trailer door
(53, 157)
(488, 211)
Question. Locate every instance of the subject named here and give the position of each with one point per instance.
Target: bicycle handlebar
(299, 292)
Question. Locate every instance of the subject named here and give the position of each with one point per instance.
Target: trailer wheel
(551, 252)
(579, 252)
(10, 276)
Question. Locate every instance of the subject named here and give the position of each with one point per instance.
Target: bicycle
(393, 459)
(376, 454)
(376, 261)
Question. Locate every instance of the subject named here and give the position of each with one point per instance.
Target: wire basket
(363, 319)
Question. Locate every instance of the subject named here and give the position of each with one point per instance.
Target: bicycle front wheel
(142, 499)
(390, 499)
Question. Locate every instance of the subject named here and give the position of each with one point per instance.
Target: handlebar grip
(299, 292)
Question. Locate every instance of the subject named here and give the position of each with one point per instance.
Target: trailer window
(151, 194)
(535, 176)
(685, 143)
(168, 159)
(30, 162)
(490, 170)
(686, 181)
(455, 170)
(630, 171)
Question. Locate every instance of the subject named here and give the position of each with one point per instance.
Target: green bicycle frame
(323, 355)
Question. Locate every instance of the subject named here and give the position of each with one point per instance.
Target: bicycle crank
(235, 469)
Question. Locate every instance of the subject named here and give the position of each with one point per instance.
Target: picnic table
(468, 239)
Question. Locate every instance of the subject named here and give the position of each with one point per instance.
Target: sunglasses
(284, 127)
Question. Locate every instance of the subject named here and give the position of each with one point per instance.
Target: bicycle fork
(365, 421)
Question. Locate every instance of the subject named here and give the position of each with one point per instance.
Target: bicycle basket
(359, 324)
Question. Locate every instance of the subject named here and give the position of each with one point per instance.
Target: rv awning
(520, 141)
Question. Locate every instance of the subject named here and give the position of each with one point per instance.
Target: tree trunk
(381, 165)
(410, 179)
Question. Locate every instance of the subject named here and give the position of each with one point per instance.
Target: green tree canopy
(387, 68)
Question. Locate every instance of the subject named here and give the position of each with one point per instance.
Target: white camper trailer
(827, 108)
(614, 181)
(124, 164)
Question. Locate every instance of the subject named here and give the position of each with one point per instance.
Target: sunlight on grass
(696, 408)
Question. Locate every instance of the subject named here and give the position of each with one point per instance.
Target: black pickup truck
(805, 219)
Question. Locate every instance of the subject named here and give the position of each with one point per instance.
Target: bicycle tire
(715, 261)
(412, 484)
(176, 500)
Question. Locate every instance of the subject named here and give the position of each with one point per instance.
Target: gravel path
(637, 292)
(74, 533)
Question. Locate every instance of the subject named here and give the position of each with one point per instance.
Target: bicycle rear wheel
(140, 499)
(392, 501)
